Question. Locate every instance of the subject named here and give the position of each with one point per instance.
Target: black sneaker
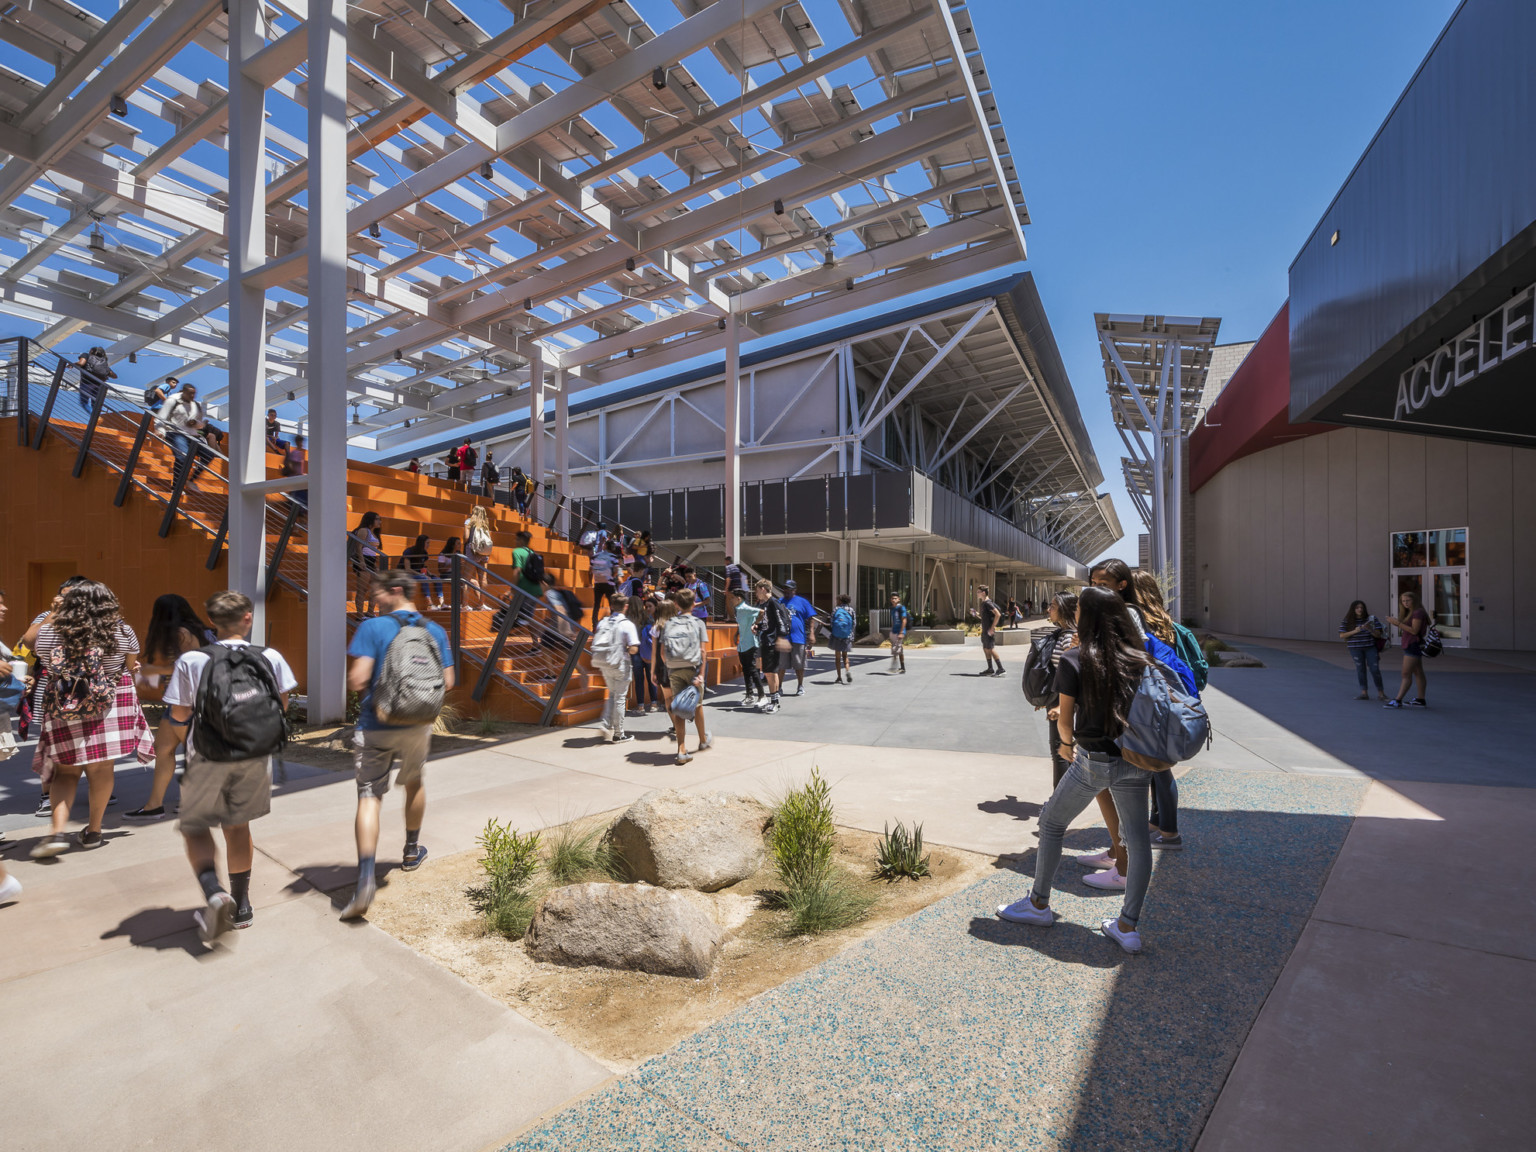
(1418, 702)
(244, 916)
(44, 808)
(413, 858)
(155, 813)
(50, 846)
(216, 919)
(89, 839)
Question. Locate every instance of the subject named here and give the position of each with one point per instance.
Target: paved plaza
(1334, 960)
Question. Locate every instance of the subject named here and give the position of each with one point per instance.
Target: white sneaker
(10, 889)
(217, 919)
(1130, 941)
(1024, 912)
(361, 899)
(707, 743)
(1097, 861)
(1109, 879)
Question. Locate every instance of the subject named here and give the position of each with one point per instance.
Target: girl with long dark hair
(367, 559)
(87, 627)
(1062, 614)
(1362, 632)
(415, 560)
(174, 628)
(1096, 681)
(1414, 622)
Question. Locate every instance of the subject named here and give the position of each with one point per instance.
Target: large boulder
(632, 926)
(677, 840)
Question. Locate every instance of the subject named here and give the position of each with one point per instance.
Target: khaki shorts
(897, 642)
(680, 677)
(375, 751)
(219, 795)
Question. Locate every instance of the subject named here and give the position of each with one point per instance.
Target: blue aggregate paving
(955, 1030)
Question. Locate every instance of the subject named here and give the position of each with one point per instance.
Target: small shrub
(828, 901)
(900, 853)
(510, 860)
(448, 721)
(819, 896)
(802, 836)
(575, 854)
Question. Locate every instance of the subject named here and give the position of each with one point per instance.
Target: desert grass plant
(574, 853)
(510, 859)
(899, 854)
(817, 895)
(449, 719)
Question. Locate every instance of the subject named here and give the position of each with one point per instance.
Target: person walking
(91, 713)
(402, 690)
(237, 726)
(174, 630)
(478, 543)
(490, 476)
(604, 564)
(683, 640)
(1365, 636)
(95, 371)
(841, 639)
(773, 643)
(527, 572)
(615, 644)
(181, 420)
(991, 615)
(900, 618)
(1164, 819)
(296, 463)
(1413, 623)
(665, 611)
(802, 633)
(518, 483)
(643, 615)
(157, 394)
(1096, 681)
(366, 557)
(1062, 613)
(755, 689)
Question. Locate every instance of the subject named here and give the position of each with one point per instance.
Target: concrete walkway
(314, 1034)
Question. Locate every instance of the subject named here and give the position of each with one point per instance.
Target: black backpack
(1039, 676)
(239, 710)
(533, 567)
(96, 363)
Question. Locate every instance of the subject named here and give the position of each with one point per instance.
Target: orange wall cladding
(57, 526)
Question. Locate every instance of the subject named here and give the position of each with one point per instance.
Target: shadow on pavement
(162, 929)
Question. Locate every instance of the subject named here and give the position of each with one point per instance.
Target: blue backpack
(1165, 655)
(842, 623)
(1166, 723)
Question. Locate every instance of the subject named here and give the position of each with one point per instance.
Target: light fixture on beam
(629, 264)
(133, 357)
(527, 303)
(98, 242)
(373, 229)
(290, 397)
(119, 106)
(486, 171)
(631, 353)
(399, 355)
(659, 78)
(778, 207)
(721, 323)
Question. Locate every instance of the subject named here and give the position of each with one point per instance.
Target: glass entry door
(1433, 564)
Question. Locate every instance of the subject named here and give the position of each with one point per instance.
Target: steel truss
(1155, 368)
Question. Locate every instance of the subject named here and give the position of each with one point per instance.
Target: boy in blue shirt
(899, 619)
(842, 638)
(802, 632)
(378, 746)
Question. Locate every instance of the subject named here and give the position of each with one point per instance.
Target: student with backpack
(683, 639)
(1165, 789)
(234, 695)
(527, 572)
(756, 688)
(1098, 682)
(1045, 653)
(772, 639)
(841, 639)
(402, 666)
(900, 619)
(91, 713)
(615, 643)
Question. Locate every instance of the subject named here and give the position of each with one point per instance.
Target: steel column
(563, 448)
(732, 494)
(246, 223)
(536, 471)
(327, 269)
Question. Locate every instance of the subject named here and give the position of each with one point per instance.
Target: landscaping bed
(622, 1017)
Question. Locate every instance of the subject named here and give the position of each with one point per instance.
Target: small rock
(1240, 660)
(628, 926)
(678, 840)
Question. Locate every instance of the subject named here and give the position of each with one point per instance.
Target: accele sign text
(1485, 344)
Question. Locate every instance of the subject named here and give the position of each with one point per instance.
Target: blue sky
(1176, 156)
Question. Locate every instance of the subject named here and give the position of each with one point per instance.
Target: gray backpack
(681, 644)
(408, 688)
(1165, 724)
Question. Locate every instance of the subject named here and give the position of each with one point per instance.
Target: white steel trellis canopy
(576, 181)
(1155, 367)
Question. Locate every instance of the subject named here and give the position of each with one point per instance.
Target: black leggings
(749, 673)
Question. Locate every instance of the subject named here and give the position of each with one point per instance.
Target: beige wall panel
(1272, 615)
(1405, 474)
(1445, 482)
(1523, 545)
(1293, 563)
(1342, 529)
(1316, 553)
(1490, 559)
(1372, 515)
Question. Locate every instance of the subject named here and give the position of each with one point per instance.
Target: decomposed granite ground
(953, 1030)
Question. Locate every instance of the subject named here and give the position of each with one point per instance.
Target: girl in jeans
(1096, 681)
(1360, 631)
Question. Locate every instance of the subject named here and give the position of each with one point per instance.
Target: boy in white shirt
(227, 793)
